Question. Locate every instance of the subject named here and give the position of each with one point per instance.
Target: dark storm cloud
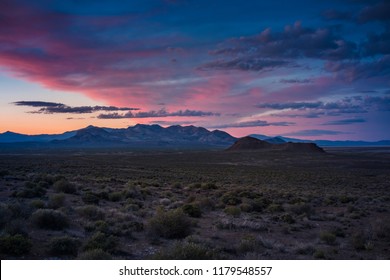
(53, 108)
(345, 122)
(157, 114)
(379, 103)
(294, 42)
(348, 105)
(356, 70)
(372, 11)
(378, 44)
(376, 12)
(257, 123)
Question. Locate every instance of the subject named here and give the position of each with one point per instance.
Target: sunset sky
(305, 69)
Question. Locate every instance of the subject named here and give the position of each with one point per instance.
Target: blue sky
(313, 69)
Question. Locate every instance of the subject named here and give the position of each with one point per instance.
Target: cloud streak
(55, 108)
(256, 123)
(345, 122)
(314, 132)
(157, 114)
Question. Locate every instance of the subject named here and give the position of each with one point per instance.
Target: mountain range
(146, 136)
(142, 136)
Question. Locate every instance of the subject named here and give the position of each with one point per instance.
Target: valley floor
(195, 205)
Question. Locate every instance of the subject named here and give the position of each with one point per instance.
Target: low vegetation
(195, 205)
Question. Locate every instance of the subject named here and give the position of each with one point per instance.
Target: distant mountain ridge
(134, 136)
(12, 137)
(155, 135)
(323, 143)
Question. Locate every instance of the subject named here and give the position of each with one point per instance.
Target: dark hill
(251, 143)
(300, 147)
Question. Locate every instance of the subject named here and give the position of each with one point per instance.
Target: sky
(306, 69)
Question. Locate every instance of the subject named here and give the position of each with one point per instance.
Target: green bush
(64, 186)
(31, 190)
(90, 198)
(192, 210)
(259, 204)
(302, 208)
(91, 212)
(95, 254)
(339, 232)
(4, 173)
(249, 244)
(16, 226)
(246, 207)
(209, 186)
(44, 180)
(102, 241)
(64, 246)
(233, 211)
(5, 214)
(49, 219)
(19, 210)
(287, 218)
(319, 254)
(274, 207)
(328, 237)
(15, 245)
(133, 191)
(37, 203)
(56, 201)
(230, 199)
(359, 241)
(115, 196)
(186, 251)
(171, 224)
(346, 199)
(381, 228)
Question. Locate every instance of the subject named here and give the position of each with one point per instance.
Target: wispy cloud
(54, 108)
(37, 104)
(245, 64)
(295, 81)
(256, 123)
(157, 114)
(314, 132)
(345, 122)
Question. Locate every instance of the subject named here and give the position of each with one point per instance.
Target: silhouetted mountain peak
(142, 135)
(249, 143)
